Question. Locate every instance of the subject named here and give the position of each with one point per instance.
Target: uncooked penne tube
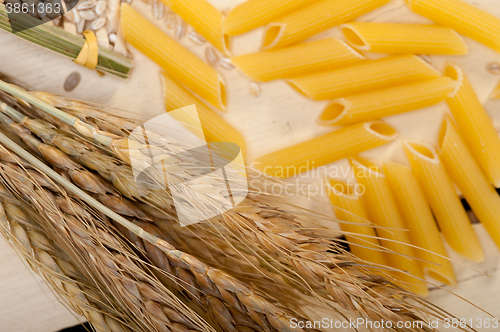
(255, 13)
(395, 38)
(215, 128)
(465, 172)
(349, 207)
(313, 19)
(363, 77)
(474, 124)
(383, 212)
(326, 149)
(448, 210)
(205, 19)
(462, 17)
(181, 64)
(377, 104)
(418, 219)
(297, 60)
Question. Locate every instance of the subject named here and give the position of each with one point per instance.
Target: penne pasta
(418, 219)
(474, 124)
(205, 19)
(377, 104)
(495, 94)
(363, 77)
(394, 38)
(255, 13)
(462, 17)
(181, 64)
(349, 207)
(326, 149)
(445, 204)
(215, 128)
(383, 212)
(465, 172)
(313, 19)
(297, 60)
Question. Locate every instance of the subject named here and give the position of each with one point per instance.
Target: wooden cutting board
(278, 118)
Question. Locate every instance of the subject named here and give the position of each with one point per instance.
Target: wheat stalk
(278, 237)
(229, 302)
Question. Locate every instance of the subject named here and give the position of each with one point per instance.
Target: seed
(80, 26)
(69, 17)
(112, 37)
(76, 16)
(171, 20)
(57, 21)
(97, 24)
(181, 30)
(211, 56)
(493, 68)
(196, 38)
(88, 15)
(426, 58)
(72, 81)
(254, 89)
(85, 5)
(100, 7)
(226, 63)
(158, 9)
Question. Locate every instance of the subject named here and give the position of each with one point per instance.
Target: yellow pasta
(313, 19)
(326, 149)
(462, 17)
(255, 13)
(444, 201)
(180, 64)
(495, 94)
(474, 124)
(205, 19)
(363, 77)
(297, 60)
(418, 219)
(383, 212)
(464, 171)
(215, 128)
(394, 38)
(349, 206)
(377, 104)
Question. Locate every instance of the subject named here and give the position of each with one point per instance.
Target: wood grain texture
(278, 118)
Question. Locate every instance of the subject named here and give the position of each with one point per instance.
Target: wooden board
(278, 118)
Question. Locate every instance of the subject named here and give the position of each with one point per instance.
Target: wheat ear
(226, 299)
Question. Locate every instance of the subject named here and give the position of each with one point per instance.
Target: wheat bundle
(284, 242)
(228, 302)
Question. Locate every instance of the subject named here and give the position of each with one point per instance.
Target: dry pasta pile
(360, 92)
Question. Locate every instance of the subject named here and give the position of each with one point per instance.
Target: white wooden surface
(278, 118)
